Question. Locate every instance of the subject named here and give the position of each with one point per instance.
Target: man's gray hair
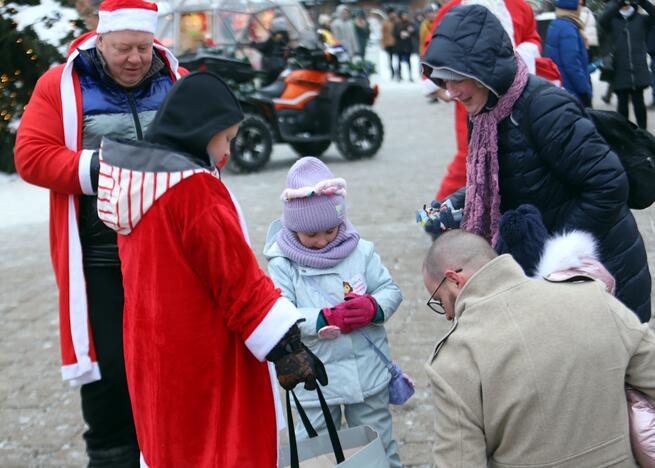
(457, 249)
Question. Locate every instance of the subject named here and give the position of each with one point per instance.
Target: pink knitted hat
(314, 199)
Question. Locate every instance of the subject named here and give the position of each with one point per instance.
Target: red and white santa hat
(127, 15)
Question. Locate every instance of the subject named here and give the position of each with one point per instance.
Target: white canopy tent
(228, 26)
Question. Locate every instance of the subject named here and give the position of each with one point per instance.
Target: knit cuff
(320, 321)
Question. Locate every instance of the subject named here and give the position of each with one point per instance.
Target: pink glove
(356, 312)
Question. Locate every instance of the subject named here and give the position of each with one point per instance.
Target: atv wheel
(311, 148)
(252, 147)
(359, 132)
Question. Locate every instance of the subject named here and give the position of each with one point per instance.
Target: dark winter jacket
(626, 39)
(404, 33)
(111, 110)
(564, 44)
(650, 41)
(274, 54)
(563, 167)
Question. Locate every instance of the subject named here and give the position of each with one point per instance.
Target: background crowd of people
(578, 40)
(403, 34)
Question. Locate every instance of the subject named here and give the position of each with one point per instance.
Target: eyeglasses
(435, 304)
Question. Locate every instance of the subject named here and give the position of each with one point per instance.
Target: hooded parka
(563, 167)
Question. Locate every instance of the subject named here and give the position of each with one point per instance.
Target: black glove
(457, 199)
(446, 214)
(295, 363)
(95, 170)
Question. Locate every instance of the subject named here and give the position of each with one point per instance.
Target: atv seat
(228, 68)
(273, 90)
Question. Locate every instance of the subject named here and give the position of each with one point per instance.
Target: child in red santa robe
(200, 315)
(519, 22)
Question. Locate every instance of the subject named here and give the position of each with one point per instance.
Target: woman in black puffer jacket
(627, 31)
(562, 165)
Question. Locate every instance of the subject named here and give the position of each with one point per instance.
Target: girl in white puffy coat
(345, 294)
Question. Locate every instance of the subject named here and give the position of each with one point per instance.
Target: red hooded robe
(200, 315)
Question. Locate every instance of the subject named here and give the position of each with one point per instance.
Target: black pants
(391, 52)
(111, 437)
(637, 96)
(404, 57)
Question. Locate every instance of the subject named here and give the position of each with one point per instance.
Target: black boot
(126, 456)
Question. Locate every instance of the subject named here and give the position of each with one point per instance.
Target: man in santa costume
(112, 83)
(519, 22)
(201, 317)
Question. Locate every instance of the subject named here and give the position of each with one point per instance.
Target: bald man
(532, 373)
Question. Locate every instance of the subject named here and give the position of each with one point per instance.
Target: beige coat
(533, 374)
(388, 38)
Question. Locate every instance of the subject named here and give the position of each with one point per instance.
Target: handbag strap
(331, 298)
(331, 428)
(387, 362)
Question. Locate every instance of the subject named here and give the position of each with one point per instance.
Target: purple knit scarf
(482, 206)
(329, 256)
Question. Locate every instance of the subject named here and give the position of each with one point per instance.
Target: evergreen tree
(24, 57)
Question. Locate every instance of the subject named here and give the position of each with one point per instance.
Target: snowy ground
(22, 203)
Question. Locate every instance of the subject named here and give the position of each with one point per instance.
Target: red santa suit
(519, 22)
(48, 153)
(200, 315)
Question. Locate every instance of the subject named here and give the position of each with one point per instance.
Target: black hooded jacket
(197, 107)
(563, 167)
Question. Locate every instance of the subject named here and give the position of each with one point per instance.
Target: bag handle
(331, 428)
(311, 432)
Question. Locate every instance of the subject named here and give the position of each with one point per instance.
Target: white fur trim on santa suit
(529, 53)
(500, 11)
(127, 19)
(84, 370)
(242, 218)
(282, 316)
(280, 420)
(566, 251)
(85, 172)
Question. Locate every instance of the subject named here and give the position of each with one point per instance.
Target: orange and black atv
(320, 98)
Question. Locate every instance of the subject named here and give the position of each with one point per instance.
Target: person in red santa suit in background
(201, 317)
(112, 83)
(519, 22)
